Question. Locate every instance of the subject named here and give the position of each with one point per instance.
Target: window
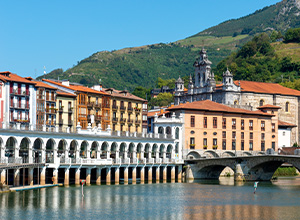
(242, 135)
(204, 142)
(261, 102)
(192, 143)
(263, 136)
(242, 124)
(251, 145)
(224, 123)
(192, 121)
(262, 146)
(287, 107)
(205, 122)
(273, 127)
(224, 144)
(215, 142)
(251, 135)
(215, 122)
(242, 145)
(233, 145)
(236, 102)
(283, 133)
(273, 145)
(233, 123)
(224, 134)
(233, 135)
(251, 125)
(262, 125)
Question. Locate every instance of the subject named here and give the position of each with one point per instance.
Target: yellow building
(210, 125)
(128, 112)
(65, 103)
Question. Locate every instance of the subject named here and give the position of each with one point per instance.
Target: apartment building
(65, 103)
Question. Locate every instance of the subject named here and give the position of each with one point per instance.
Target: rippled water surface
(222, 199)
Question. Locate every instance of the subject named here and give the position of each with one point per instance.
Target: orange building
(210, 125)
(91, 106)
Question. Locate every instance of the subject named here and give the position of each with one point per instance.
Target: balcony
(115, 120)
(50, 123)
(138, 121)
(122, 108)
(61, 121)
(90, 104)
(70, 110)
(19, 106)
(50, 99)
(114, 108)
(19, 120)
(98, 117)
(130, 109)
(61, 109)
(137, 110)
(129, 121)
(19, 93)
(97, 105)
(70, 122)
(122, 120)
(51, 110)
(40, 96)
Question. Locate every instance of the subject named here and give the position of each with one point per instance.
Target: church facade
(240, 94)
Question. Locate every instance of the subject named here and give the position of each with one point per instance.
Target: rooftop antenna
(44, 72)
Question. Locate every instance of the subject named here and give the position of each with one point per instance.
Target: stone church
(240, 94)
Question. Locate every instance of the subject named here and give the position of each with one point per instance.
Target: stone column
(67, 177)
(30, 155)
(55, 157)
(239, 174)
(30, 176)
(43, 176)
(134, 175)
(165, 174)
(172, 174)
(88, 177)
(142, 175)
(125, 175)
(98, 176)
(43, 155)
(55, 176)
(77, 176)
(108, 170)
(98, 154)
(117, 176)
(3, 177)
(149, 174)
(16, 177)
(179, 174)
(157, 174)
(77, 155)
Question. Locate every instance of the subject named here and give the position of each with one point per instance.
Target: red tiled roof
(116, 93)
(269, 106)
(62, 93)
(11, 77)
(43, 85)
(78, 88)
(207, 105)
(285, 124)
(270, 88)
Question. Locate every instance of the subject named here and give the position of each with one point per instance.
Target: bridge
(30, 156)
(249, 168)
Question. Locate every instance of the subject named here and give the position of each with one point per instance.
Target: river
(221, 199)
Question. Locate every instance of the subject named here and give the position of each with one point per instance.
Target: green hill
(141, 66)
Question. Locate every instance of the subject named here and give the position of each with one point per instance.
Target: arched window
(287, 107)
(236, 102)
(160, 130)
(177, 133)
(261, 102)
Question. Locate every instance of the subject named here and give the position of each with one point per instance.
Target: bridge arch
(210, 154)
(228, 154)
(193, 155)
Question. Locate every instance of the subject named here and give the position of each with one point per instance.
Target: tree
(163, 99)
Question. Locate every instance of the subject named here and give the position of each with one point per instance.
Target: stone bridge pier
(251, 168)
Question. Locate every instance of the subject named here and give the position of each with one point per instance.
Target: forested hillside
(141, 66)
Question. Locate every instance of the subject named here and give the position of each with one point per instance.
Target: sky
(59, 33)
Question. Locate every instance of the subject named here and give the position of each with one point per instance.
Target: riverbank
(286, 171)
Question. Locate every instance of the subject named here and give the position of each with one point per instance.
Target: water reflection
(205, 200)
